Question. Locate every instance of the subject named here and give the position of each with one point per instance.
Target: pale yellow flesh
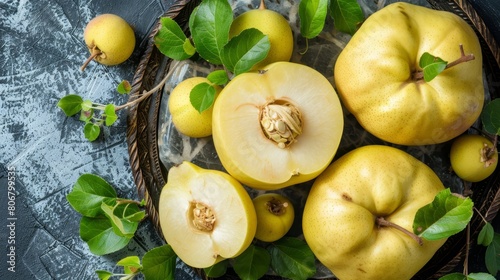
(340, 212)
(243, 148)
(235, 224)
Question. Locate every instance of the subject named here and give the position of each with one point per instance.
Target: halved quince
(205, 215)
(277, 127)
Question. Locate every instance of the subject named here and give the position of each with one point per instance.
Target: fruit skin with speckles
(343, 211)
(375, 75)
(205, 215)
(473, 157)
(109, 39)
(275, 215)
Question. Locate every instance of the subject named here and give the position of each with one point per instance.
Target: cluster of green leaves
(449, 214)
(347, 16)
(94, 115)
(288, 257)
(209, 24)
(157, 264)
(108, 222)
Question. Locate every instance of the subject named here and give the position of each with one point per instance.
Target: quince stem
(419, 75)
(382, 222)
(95, 52)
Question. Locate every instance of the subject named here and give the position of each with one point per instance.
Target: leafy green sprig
(93, 114)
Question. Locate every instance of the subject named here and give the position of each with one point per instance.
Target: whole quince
(359, 214)
(379, 79)
(277, 127)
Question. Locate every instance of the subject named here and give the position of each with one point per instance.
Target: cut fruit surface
(205, 215)
(277, 127)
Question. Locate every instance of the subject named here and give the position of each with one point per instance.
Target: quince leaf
(243, 51)
(217, 270)
(486, 235)
(202, 96)
(115, 214)
(347, 15)
(88, 194)
(170, 40)
(492, 255)
(99, 235)
(124, 87)
(480, 276)
(70, 104)
(447, 215)
(253, 263)
(87, 105)
(453, 276)
(103, 274)
(292, 258)
(312, 14)
(218, 77)
(131, 264)
(91, 131)
(490, 117)
(110, 114)
(86, 116)
(431, 65)
(159, 263)
(209, 23)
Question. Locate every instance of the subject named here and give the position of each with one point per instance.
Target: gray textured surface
(41, 50)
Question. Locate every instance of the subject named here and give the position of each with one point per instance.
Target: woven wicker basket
(150, 176)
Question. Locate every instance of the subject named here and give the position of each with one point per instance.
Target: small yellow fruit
(110, 39)
(275, 215)
(272, 24)
(205, 215)
(473, 157)
(185, 117)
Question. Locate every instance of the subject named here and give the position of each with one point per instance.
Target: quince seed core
(203, 216)
(281, 122)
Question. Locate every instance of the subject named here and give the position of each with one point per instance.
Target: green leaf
(171, 40)
(253, 263)
(110, 113)
(492, 255)
(88, 194)
(100, 236)
(91, 131)
(131, 264)
(189, 49)
(480, 276)
(103, 274)
(115, 214)
(124, 87)
(312, 14)
(292, 258)
(202, 96)
(447, 215)
(218, 77)
(70, 104)
(87, 105)
(217, 270)
(347, 15)
(209, 24)
(486, 235)
(454, 276)
(159, 263)
(86, 116)
(246, 49)
(431, 65)
(490, 117)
